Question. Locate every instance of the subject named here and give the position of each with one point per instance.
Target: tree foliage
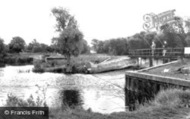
(174, 35)
(85, 47)
(35, 47)
(117, 46)
(70, 39)
(70, 42)
(17, 44)
(64, 19)
(2, 46)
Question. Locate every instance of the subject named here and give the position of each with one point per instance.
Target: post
(127, 78)
(150, 61)
(153, 47)
(139, 61)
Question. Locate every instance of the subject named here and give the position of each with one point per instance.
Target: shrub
(38, 67)
(71, 98)
(18, 60)
(173, 98)
(13, 101)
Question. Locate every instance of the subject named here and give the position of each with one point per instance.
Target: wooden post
(150, 62)
(127, 92)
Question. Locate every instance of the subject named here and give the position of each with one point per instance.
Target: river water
(100, 92)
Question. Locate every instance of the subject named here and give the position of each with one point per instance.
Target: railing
(158, 52)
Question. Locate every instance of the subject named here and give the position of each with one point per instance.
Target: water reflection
(102, 100)
(100, 95)
(71, 98)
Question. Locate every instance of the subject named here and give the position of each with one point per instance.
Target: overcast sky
(100, 19)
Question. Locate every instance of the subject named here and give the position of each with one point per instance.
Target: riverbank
(95, 89)
(173, 104)
(168, 104)
(90, 63)
(15, 60)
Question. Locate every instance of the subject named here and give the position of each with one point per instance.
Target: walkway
(158, 53)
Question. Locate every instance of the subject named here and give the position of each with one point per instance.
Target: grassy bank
(15, 59)
(18, 60)
(169, 104)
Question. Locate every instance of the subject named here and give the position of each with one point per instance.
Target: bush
(17, 60)
(38, 66)
(157, 109)
(71, 98)
(13, 101)
(2, 62)
(173, 98)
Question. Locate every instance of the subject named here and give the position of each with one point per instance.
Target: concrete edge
(153, 67)
(170, 80)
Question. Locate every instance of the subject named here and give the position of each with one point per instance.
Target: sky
(97, 19)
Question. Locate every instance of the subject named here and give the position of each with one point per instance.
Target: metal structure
(158, 53)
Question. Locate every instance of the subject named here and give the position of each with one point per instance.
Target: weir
(141, 86)
(149, 62)
(149, 57)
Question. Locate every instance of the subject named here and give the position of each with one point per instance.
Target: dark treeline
(117, 46)
(169, 36)
(17, 45)
(10, 53)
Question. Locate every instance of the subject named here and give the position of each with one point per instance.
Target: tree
(35, 47)
(44, 47)
(70, 37)
(95, 44)
(187, 39)
(70, 42)
(54, 45)
(99, 46)
(32, 45)
(2, 46)
(115, 46)
(86, 47)
(138, 41)
(174, 33)
(17, 44)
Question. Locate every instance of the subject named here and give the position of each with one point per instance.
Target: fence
(158, 52)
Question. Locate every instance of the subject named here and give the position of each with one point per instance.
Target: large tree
(17, 44)
(70, 37)
(174, 33)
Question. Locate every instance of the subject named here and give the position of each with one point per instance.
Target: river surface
(100, 92)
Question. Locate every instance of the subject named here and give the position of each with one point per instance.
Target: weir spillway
(141, 86)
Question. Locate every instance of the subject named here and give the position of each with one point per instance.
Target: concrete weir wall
(148, 62)
(140, 87)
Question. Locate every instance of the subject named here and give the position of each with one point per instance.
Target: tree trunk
(68, 66)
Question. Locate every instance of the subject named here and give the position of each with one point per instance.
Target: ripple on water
(97, 94)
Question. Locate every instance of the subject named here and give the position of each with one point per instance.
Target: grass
(13, 101)
(168, 104)
(94, 58)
